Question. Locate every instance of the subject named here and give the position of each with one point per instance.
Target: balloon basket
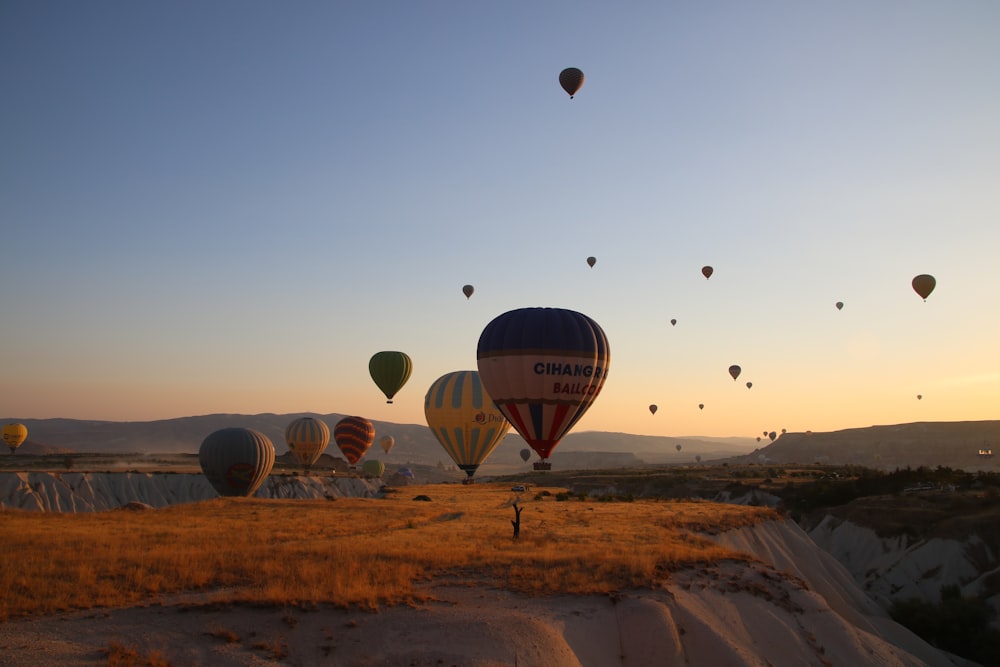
(543, 465)
(468, 480)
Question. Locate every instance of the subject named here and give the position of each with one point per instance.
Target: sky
(228, 207)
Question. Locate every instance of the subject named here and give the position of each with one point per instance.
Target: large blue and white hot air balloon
(543, 367)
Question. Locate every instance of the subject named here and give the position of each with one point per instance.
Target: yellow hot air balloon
(14, 434)
(386, 442)
(464, 419)
(307, 439)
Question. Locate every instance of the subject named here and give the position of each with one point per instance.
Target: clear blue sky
(230, 206)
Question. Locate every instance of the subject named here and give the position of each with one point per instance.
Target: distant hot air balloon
(525, 454)
(772, 435)
(782, 431)
(765, 432)
(673, 323)
(924, 285)
(749, 385)
(467, 290)
(373, 468)
(571, 80)
(236, 461)
(14, 434)
(653, 408)
(386, 442)
(758, 438)
(701, 406)
(920, 396)
(307, 439)
(390, 370)
(707, 271)
(697, 457)
(543, 367)
(591, 261)
(464, 419)
(735, 371)
(678, 447)
(840, 305)
(353, 435)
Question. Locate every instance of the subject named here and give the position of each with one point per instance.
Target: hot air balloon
(678, 447)
(920, 396)
(464, 419)
(390, 370)
(735, 371)
(386, 442)
(840, 305)
(373, 468)
(571, 80)
(653, 408)
(701, 406)
(236, 461)
(14, 434)
(924, 285)
(354, 435)
(697, 457)
(543, 367)
(673, 323)
(772, 435)
(467, 290)
(307, 438)
(782, 431)
(758, 438)
(525, 454)
(591, 261)
(749, 385)
(707, 271)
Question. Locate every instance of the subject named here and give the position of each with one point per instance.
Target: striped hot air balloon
(307, 438)
(236, 461)
(543, 367)
(354, 435)
(464, 419)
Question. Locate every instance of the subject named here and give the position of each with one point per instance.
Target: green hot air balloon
(464, 419)
(390, 370)
(236, 461)
(373, 468)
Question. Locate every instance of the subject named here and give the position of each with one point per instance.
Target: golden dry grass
(353, 551)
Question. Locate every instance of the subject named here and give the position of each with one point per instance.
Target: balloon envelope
(390, 370)
(749, 385)
(464, 419)
(353, 435)
(673, 323)
(14, 434)
(924, 285)
(386, 442)
(840, 305)
(543, 367)
(735, 371)
(373, 468)
(592, 261)
(525, 454)
(678, 447)
(236, 461)
(467, 290)
(653, 408)
(571, 80)
(307, 439)
(707, 271)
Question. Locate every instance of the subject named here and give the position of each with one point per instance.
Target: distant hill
(414, 442)
(931, 444)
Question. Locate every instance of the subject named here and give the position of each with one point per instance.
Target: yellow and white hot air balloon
(14, 434)
(307, 439)
(464, 419)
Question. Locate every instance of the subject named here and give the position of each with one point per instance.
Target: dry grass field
(352, 551)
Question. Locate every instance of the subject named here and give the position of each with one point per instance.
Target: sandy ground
(723, 614)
